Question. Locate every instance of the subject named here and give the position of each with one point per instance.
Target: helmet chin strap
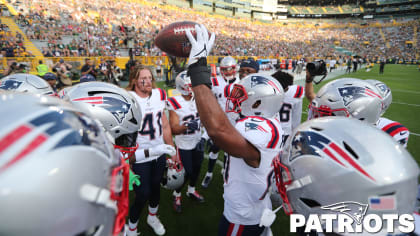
(98, 195)
(299, 183)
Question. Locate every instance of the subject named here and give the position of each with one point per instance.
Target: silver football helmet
(385, 93)
(256, 95)
(183, 83)
(175, 175)
(348, 97)
(117, 110)
(26, 83)
(59, 168)
(334, 159)
(228, 68)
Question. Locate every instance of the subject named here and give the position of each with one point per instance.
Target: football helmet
(117, 110)
(175, 175)
(335, 159)
(59, 168)
(228, 68)
(348, 97)
(183, 83)
(256, 95)
(385, 93)
(26, 83)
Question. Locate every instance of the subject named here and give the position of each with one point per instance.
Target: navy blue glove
(200, 145)
(193, 126)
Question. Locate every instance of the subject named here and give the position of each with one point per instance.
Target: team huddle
(86, 149)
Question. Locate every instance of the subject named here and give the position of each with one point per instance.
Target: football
(173, 40)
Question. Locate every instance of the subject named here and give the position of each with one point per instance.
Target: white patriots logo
(355, 210)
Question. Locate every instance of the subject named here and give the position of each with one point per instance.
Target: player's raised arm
(212, 116)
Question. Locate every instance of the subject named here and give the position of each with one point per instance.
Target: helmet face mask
(127, 144)
(283, 178)
(228, 72)
(325, 110)
(235, 99)
(174, 175)
(256, 95)
(119, 193)
(228, 68)
(183, 83)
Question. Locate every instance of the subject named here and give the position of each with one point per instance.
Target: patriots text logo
(252, 126)
(10, 85)
(354, 210)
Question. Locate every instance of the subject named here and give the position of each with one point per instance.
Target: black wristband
(146, 153)
(199, 73)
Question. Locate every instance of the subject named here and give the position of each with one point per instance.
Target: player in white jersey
(260, 97)
(246, 187)
(291, 111)
(155, 130)
(221, 85)
(185, 125)
(398, 131)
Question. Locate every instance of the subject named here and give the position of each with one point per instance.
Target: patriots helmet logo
(315, 144)
(351, 93)
(354, 210)
(257, 80)
(10, 85)
(307, 143)
(252, 126)
(117, 107)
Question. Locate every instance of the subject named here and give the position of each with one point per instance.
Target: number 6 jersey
(291, 110)
(151, 132)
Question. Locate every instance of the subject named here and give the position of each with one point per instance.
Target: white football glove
(162, 149)
(268, 216)
(202, 46)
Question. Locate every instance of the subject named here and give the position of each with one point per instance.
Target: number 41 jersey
(152, 108)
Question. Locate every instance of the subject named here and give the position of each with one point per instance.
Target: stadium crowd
(104, 28)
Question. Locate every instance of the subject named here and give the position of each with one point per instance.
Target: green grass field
(202, 219)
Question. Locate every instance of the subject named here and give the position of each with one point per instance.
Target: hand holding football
(173, 40)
